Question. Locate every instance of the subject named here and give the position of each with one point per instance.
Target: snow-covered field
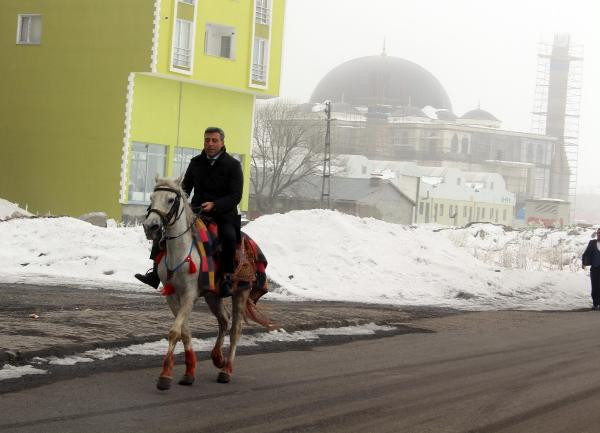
(325, 255)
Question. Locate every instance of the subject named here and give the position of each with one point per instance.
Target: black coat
(221, 182)
(591, 256)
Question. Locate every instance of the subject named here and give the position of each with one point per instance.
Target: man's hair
(213, 129)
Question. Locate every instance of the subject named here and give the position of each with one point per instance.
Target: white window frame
(260, 57)
(182, 56)
(145, 194)
(28, 40)
(173, 65)
(263, 12)
(215, 31)
(188, 2)
(184, 153)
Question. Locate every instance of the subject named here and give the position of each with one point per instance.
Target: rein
(173, 214)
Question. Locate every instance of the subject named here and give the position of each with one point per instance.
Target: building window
(262, 11)
(458, 181)
(220, 41)
(464, 211)
(441, 210)
(29, 29)
(147, 160)
(435, 212)
(182, 44)
(259, 62)
(454, 144)
(464, 145)
(491, 185)
(421, 208)
(504, 215)
(182, 158)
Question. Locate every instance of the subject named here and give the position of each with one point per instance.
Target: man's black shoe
(150, 278)
(226, 286)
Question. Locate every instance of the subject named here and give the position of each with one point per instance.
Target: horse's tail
(252, 312)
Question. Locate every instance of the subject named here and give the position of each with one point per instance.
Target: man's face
(213, 143)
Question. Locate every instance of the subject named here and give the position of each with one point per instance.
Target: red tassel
(193, 268)
(167, 290)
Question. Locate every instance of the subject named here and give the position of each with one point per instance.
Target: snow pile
(11, 210)
(314, 254)
(327, 255)
(68, 251)
(531, 249)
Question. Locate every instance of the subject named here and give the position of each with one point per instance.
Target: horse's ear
(156, 177)
(179, 180)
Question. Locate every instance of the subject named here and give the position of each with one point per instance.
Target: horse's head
(166, 206)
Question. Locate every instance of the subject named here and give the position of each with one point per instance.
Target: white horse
(171, 218)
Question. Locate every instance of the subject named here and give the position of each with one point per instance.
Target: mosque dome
(479, 114)
(381, 80)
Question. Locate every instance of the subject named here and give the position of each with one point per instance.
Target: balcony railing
(182, 57)
(259, 73)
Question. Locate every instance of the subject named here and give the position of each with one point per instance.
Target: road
(480, 372)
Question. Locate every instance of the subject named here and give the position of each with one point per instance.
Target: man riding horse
(217, 181)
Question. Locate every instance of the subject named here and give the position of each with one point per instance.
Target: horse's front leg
(181, 307)
(238, 302)
(190, 357)
(216, 306)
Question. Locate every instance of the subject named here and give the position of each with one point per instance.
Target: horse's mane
(174, 184)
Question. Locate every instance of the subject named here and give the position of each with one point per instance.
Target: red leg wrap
(168, 364)
(228, 367)
(217, 357)
(190, 363)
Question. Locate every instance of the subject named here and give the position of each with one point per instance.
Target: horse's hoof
(223, 377)
(186, 379)
(163, 383)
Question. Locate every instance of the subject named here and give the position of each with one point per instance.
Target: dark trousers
(595, 277)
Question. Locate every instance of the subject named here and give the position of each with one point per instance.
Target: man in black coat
(591, 257)
(217, 181)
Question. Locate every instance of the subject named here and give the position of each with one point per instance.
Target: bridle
(173, 214)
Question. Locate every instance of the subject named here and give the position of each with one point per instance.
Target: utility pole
(326, 187)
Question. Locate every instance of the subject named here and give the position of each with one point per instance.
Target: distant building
(547, 212)
(387, 108)
(443, 195)
(363, 197)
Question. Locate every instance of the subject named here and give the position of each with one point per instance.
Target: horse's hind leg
(218, 309)
(238, 302)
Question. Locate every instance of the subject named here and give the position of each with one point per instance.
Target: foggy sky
(482, 51)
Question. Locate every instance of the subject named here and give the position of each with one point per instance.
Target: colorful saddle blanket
(251, 263)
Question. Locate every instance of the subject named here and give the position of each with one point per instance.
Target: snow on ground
(11, 210)
(317, 255)
(159, 348)
(332, 256)
(531, 249)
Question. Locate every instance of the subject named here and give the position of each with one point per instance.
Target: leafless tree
(287, 147)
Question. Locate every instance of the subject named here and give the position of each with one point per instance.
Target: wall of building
(232, 73)
(391, 205)
(175, 114)
(63, 101)
(461, 212)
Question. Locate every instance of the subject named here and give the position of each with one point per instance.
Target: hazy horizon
(483, 53)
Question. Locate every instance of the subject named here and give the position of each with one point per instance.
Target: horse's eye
(171, 200)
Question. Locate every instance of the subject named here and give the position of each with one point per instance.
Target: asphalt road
(478, 372)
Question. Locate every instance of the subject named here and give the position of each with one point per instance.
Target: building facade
(99, 96)
(386, 108)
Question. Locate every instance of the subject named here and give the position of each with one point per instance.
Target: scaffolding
(556, 107)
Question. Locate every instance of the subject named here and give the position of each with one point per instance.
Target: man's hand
(207, 206)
